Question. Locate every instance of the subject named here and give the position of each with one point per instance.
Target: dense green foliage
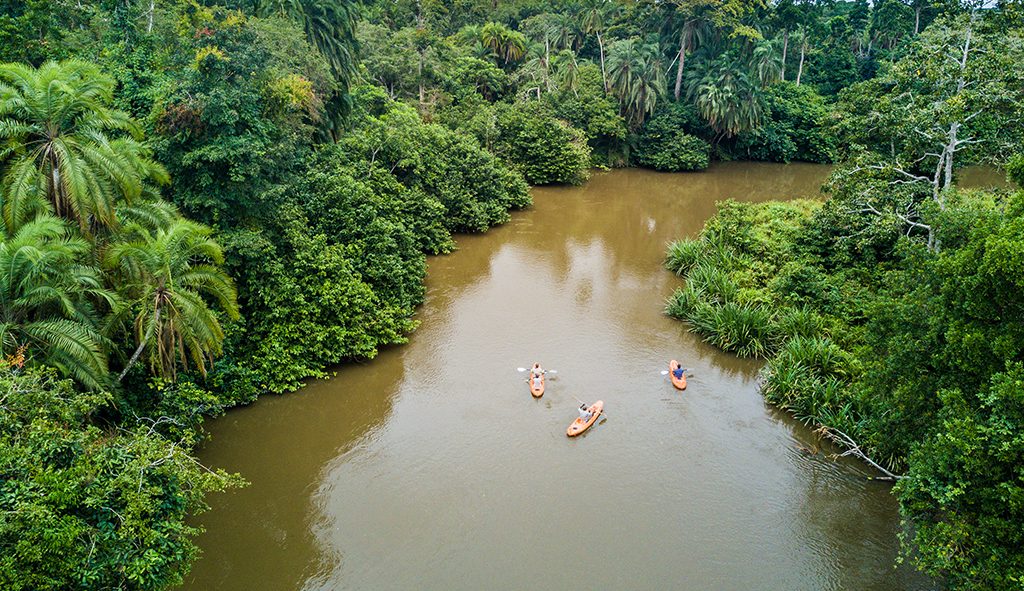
(796, 128)
(84, 508)
(917, 359)
(546, 150)
(891, 316)
(207, 201)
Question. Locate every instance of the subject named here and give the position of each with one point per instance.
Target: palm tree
(693, 26)
(166, 272)
(564, 31)
(504, 43)
(594, 20)
(534, 75)
(726, 94)
(63, 148)
(329, 25)
(766, 62)
(566, 71)
(636, 77)
(49, 301)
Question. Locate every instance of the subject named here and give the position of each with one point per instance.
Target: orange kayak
(679, 383)
(537, 392)
(579, 426)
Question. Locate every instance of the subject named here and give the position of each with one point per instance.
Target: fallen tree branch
(853, 449)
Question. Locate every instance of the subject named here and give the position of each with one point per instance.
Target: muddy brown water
(432, 467)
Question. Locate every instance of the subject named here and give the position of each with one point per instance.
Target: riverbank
(875, 337)
(436, 451)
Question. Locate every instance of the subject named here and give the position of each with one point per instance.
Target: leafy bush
(475, 188)
(307, 308)
(1015, 169)
(546, 150)
(683, 255)
(800, 322)
(589, 109)
(743, 329)
(663, 143)
(674, 153)
(795, 127)
(714, 283)
(962, 487)
(82, 507)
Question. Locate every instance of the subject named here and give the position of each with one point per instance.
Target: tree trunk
(604, 75)
(142, 345)
(149, 26)
(949, 150)
(800, 70)
(948, 181)
(785, 47)
(547, 64)
(419, 77)
(682, 60)
(917, 20)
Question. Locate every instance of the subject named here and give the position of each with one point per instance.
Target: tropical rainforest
(205, 201)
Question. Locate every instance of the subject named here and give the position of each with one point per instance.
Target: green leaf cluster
(83, 507)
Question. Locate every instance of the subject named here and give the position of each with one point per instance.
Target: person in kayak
(585, 413)
(536, 370)
(678, 372)
(537, 381)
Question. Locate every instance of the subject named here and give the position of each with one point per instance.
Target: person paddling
(678, 372)
(536, 370)
(585, 413)
(538, 381)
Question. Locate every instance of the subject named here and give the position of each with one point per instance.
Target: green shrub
(745, 330)
(800, 322)
(677, 152)
(683, 255)
(682, 303)
(476, 188)
(795, 128)
(86, 507)
(1015, 170)
(528, 138)
(714, 284)
(811, 376)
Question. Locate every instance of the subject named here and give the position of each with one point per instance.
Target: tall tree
(727, 94)
(695, 19)
(63, 147)
(787, 17)
(330, 26)
(595, 18)
(506, 45)
(943, 105)
(168, 274)
(636, 76)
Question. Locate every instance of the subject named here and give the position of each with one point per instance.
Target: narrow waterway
(431, 467)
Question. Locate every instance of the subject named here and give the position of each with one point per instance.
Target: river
(431, 467)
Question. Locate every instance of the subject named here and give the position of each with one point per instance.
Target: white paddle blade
(550, 371)
(520, 369)
(664, 372)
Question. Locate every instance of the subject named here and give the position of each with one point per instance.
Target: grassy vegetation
(728, 297)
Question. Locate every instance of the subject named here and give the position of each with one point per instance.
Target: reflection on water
(433, 468)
